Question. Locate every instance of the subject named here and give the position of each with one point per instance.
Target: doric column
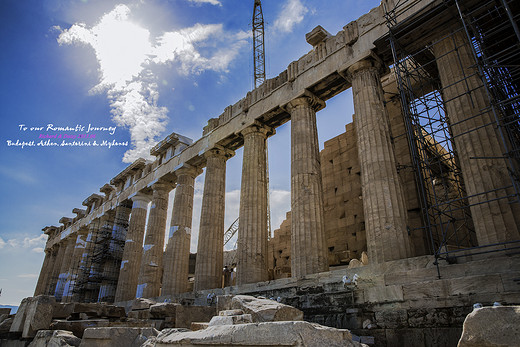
(46, 272)
(477, 142)
(383, 199)
(107, 291)
(63, 278)
(177, 256)
(149, 283)
(210, 249)
(98, 255)
(59, 250)
(74, 266)
(252, 229)
(85, 261)
(133, 251)
(308, 244)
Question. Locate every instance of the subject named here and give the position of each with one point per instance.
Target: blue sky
(183, 62)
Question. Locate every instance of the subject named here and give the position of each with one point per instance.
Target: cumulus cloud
(125, 53)
(293, 12)
(212, 2)
(27, 276)
(35, 244)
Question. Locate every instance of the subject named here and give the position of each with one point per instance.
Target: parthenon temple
(412, 213)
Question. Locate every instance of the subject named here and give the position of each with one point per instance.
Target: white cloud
(125, 53)
(27, 276)
(34, 243)
(38, 250)
(212, 2)
(292, 13)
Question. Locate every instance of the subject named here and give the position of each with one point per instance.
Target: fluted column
(45, 272)
(98, 255)
(85, 260)
(308, 244)
(53, 276)
(107, 291)
(383, 200)
(252, 229)
(74, 266)
(133, 250)
(177, 256)
(68, 243)
(210, 249)
(149, 283)
(477, 142)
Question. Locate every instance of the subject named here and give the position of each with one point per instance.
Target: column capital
(369, 62)
(141, 197)
(219, 151)
(162, 186)
(307, 99)
(187, 169)
(257, 127)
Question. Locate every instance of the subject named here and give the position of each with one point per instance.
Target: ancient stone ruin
(397, 227)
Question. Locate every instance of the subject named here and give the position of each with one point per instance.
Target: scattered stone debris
(239, 320)
(61, 338)
(504, 330)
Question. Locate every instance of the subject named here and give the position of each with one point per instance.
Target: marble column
(107, 291)
(100, 249)
(177, 256)
(133, 251)
(476, 136)
(149, 283)
(308, 244)
(251, 250)
(53, 276)
(68, 243)
(85, 260)
(383, 199)
(46, 272)
(74, 266)
(210, 249)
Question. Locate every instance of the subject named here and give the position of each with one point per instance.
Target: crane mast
(258, 44)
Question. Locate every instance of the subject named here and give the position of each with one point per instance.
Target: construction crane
(258, 44)
(259, 77)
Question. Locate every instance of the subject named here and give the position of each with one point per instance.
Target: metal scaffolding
(492, 33)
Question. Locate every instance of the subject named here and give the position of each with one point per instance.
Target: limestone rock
(260, 334)
(95, 310)
(162, 310)
(5, 325)
(55, 338)
(364, 258)
(354, 263)
(78, 326)
(62, 310)
(231, 320)
(185, 315)
(492, 327)
(230, 312)
(142, 304)
(224, 302)
(265, 310)
(198, 326)
(3, 317)
(5, 310)
(117, 337)
(35, 313)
